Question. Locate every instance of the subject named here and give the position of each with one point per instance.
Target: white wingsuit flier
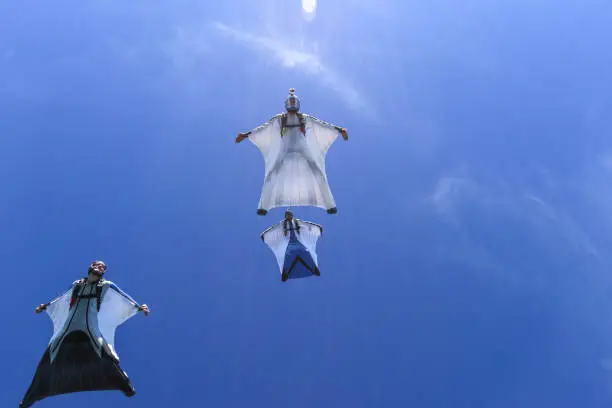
(293, 145)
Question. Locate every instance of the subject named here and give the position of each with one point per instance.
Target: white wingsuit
(294, 146)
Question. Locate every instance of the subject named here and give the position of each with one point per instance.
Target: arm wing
(321, 135)
(58, 310)
(266, 136)
(309, 235)
(117, 307)
(276, 240)
(309, 223)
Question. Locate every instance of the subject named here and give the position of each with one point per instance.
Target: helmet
(292, 103)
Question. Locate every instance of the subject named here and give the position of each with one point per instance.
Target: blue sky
(469, 262)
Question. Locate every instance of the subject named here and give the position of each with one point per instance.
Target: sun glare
(309, 6)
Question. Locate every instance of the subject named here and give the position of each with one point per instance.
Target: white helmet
(292, 103)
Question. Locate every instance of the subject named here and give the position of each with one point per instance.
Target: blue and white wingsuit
(293, 242)
(81, 355)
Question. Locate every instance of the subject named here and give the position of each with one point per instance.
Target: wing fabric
(266, 138)
(116, 308)
(58, 310)
(321, 135)
(295, 166)
(295, 181)
(308, 236)
(276, 240)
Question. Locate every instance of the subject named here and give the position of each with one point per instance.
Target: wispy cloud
(458, 198)
(448, 190)
(566, 225)
(291, 56)
(286, 55)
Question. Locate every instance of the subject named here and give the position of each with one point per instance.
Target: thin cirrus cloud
(502, 201)
(290, 56)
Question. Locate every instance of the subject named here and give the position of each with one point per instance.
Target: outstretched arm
(43, 306)
(141, 308)
(328, 125)
(268, 230)
(243, 135)
(315, 224)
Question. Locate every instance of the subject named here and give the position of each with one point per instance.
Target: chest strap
(301, 125)
(78, 288)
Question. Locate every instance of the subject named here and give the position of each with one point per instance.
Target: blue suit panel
(298, 261)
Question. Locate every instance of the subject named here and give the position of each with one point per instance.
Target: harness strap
(76, 293)
(285, 229)
(301, 125)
